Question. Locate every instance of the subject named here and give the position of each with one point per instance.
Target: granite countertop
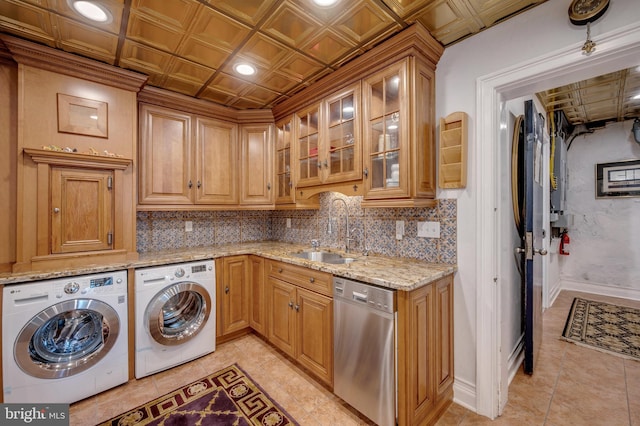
(391, 272)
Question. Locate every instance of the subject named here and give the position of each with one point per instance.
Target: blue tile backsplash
(373, 229)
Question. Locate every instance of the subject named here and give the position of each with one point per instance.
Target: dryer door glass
(178, 313)
(67, 338)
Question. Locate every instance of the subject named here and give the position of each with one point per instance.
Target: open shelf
(452, 156)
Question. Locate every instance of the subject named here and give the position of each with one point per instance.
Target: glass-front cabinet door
(328, 140)
(341, 155)
(308, 146)
(284, 177)
(386, 133)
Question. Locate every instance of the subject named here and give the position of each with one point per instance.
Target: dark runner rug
(227, 397)
(603, 326)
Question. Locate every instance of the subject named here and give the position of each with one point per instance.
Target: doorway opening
(617, 50)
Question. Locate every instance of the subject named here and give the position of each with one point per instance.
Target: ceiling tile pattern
(191, 46)
(609, 97)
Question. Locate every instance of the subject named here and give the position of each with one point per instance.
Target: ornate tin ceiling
(191, 46)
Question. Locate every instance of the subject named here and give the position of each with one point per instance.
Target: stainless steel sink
(324, 256)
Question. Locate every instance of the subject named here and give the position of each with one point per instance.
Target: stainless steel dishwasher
(364, 325)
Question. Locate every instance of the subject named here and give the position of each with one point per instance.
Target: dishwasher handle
(360, 297)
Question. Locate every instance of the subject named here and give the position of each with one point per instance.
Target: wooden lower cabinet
(300, 322)
(292, 307)
(425, 352)
(232, 288)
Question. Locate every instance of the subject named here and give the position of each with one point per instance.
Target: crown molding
(168, 99)
(413, 41)
(47, 58)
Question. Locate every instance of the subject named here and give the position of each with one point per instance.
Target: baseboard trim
(601, 289)
(464, 394)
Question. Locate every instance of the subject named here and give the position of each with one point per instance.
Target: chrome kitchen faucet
(347, 232)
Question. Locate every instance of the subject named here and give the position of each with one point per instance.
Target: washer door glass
(66, 338)
(178, 313)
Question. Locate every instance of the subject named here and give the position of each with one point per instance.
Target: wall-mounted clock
(582, 12)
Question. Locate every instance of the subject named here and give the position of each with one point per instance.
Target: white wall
(527, 38)
(605, 238)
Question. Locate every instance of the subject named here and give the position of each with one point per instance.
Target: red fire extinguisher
(564, 243)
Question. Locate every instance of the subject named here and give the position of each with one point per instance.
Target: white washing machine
(175, 315)
(64, 339)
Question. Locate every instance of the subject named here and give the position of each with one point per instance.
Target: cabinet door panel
(82, 210)
(444, 335)
(315, 333)
(284, 186)
(282, 318)
(257, 311)
(308, 147)
(257, 165)
(341, 158)
(235, 314)
(386, 133)
(165, 156)
(216, 155)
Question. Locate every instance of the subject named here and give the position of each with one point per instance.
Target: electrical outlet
(429, 229)
(288, 223)
(188, 226)
(399, 229)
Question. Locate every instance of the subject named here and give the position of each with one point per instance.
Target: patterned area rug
(606, 327)
(227, 397)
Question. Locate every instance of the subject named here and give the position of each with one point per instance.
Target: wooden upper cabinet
(165, 156)
(398, 135)
(256, 158)
(216, 178)
(328, 140)
(82, 203)
(186, 160)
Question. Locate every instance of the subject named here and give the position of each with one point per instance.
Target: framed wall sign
(618, 179)
(82, 116)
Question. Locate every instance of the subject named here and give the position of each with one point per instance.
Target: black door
(532, 233)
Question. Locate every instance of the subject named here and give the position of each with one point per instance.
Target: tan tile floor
(572, 385)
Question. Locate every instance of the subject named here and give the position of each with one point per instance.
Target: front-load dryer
(64, 339)
(175, 315)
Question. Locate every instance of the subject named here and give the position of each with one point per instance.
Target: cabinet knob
(190, 184)
(280, 270)
(56, 210)
(290, 184)
(319, 164)
(312, 280)
(269, 186)
(297, 308)
(290, 304)
(226, 290)
(366, 172)
(199, 184)
(326, 164)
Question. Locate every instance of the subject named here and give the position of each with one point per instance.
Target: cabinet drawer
(310, 279)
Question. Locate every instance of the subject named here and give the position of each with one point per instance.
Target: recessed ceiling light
(91, 10)
(325, 3)
(245, 69)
